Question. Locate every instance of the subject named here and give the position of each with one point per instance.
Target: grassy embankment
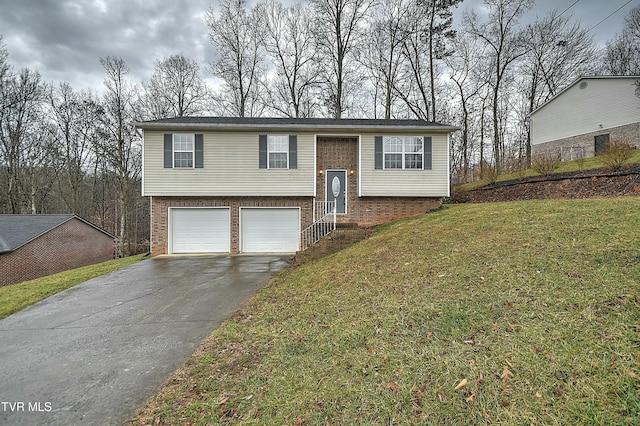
(565, 167)
(503, 313)
(18, 296)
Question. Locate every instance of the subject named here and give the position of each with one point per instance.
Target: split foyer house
(580, 120)
(252, 185)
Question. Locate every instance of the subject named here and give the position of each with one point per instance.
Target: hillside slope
(505, 313)
(594, 183)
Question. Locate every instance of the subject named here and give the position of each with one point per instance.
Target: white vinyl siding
(590, 105)
(269, 230)
(405, 183)
(231, 169)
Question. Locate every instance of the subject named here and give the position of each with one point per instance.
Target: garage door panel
(200, 230)
(270, 230)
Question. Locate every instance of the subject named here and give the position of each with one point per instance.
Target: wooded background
(77, 151)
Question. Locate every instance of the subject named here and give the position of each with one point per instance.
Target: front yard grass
(15, 297)
(499, 313)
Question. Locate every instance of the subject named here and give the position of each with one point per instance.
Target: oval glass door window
(335, 186)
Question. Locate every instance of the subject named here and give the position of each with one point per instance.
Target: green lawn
(503, 313)
(18, 296)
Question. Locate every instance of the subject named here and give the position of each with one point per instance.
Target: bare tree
(470, 80)
(506, 45)
(175, 89)
(558, 52)
(291, 47)
(75, 116)
(237, 37)
(22, 96)
(339, 26)
(381, 53)
(622, 54)
(120, 144)
(438, 32)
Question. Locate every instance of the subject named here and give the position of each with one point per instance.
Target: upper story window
(183, 150)
(278, 151)
(403, 152)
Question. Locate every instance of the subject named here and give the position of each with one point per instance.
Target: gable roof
(578, 80)
(300, 124)
(17, 230)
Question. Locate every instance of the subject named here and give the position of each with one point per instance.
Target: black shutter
(168, 151)
(427, 148)
(293, 151)
(378, 152)
(199, 151)
(262, 151)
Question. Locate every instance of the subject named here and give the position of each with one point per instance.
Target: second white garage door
(199, 230)
(269, 230)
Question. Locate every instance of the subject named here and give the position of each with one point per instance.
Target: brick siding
(586, 142)
(70, 245)
(160, 214)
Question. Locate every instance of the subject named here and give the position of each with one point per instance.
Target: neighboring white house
(247, 185)
(579, 121)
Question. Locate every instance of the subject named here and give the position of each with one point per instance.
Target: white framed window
(183, 150)
(403, 152)
(278, 151)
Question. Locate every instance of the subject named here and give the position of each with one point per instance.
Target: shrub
(545, 163)
(618, 152)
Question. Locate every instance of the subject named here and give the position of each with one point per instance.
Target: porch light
(320, 172)
(352, 172)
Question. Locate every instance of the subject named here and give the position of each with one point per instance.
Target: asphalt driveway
(94, 353)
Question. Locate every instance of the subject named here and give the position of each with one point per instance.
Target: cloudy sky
(64, 39)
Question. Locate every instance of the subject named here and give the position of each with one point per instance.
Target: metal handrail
(321, 227)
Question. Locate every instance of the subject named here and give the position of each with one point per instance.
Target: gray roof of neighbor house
(303, 124)
(17, 230)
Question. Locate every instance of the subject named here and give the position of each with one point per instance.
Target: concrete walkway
(95, 353)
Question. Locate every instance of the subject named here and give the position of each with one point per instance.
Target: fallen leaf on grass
(634, 375)
(473, 398)
(392, 386)
(538, 395)
(300, 421)
(462, 384)
(506, 375)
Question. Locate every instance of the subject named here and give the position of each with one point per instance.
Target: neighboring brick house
(32, 246)
(580, 120)
(251, 185)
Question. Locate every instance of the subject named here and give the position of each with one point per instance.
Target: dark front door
(601, 143)
(337, 189)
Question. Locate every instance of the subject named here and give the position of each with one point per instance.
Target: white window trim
(269, 152)
(403, 152)
(174, 150)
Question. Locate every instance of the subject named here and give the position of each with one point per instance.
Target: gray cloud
(64, 39)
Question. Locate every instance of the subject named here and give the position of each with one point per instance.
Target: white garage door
(199, 230)
(269, 230)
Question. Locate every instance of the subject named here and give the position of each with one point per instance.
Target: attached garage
(199, 230)
(269, 230)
